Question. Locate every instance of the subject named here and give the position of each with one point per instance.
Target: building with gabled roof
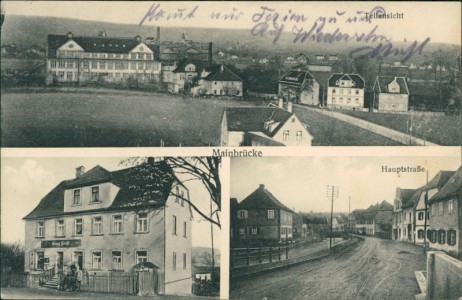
(262, 218)
(80, 59)
(422, 218)
(376, 220)
(345, 91)
(299, 86)
(222, 81)
(390, 94)
(402, 198)
(446, 217)
(262, 126)
(107, 221)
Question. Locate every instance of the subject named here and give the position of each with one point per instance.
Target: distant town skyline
(301, 183)
(419, 19)
(25, 181)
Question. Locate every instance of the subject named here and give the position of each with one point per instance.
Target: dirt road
(374, 269)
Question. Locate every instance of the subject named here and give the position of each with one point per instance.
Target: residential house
(178, 50)
(422, 215)
(110, 221)
(345, 91)
(446, 217)
(376, 220)
(262, 126)
(390, 94)
(186, 74)
(317, 224)
(222, 81)
(261, 218)
(299, 86)
(339, 223)
(400, 227)
(408, 216)
(352, 217)
(81, 59)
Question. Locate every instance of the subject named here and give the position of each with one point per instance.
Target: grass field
(108, 118)
(442, 130)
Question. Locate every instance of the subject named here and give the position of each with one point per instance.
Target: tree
(203, 169)
(12, 256)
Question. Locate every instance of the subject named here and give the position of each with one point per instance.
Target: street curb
(289, 265)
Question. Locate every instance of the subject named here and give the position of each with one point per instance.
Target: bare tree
(203, 169)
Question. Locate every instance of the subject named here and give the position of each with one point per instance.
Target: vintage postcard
(154, 74)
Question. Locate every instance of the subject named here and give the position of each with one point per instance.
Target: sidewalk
(381, 130)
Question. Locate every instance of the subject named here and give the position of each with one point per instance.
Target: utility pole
(332, 194)
(349, 212)
(425, 216)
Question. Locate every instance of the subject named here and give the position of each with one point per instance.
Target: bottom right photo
(345, 228)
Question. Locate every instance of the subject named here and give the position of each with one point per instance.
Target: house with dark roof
(80, 59)
(262, 218)
(345, 91)
(222, 81)
(376, 220)
(106, 221)
(390, 94)
(262, 126)
(187, 74)
(299, 86)
(422, 218)
(446, 217)
(401, 201)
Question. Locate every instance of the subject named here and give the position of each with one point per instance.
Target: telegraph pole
(425, 216)
(332, 194)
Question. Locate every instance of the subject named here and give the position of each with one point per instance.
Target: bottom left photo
(119, 225)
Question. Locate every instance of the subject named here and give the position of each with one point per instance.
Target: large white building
(81, 59)
(345, 91)
(111, 221)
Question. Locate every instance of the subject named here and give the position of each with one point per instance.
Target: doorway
(60, 261)
(78, 258)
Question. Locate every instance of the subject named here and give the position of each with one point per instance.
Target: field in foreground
(110, 118)
(439, 129)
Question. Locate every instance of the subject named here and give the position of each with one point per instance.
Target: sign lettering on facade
(61, 244)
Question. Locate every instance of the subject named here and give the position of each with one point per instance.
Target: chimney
(151, 160)
(222, 68)
(289, 106)
(183, 38)
(69, 35)
(79, 171)
(262, 186)
(158, 35)
(210, 54)
(280, 103)
(138, 38)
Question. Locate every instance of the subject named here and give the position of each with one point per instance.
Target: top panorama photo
(174, 74)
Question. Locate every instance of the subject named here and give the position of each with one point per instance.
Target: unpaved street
(374, 269)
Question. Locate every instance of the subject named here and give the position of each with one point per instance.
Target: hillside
(28, 30)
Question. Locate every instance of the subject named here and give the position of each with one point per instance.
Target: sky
(300, 183)
(441, 22)
(25, 181)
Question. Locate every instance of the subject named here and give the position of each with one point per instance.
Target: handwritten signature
(156, 12)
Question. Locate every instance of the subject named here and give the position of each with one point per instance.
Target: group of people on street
(72, 280)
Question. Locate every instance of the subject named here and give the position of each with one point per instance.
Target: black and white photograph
(110, 227)
(346, 228)
(171, 74)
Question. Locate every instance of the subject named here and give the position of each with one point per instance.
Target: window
(117, 224)
(174, 225)
(40, 229)
(357, 92)
(62, 63)
(140, 55)
(242, 231)
(450, 206)
(420, 234)
(433, 209)
(441, 208)
(95, 194)
(76, 198)
(61, 74)
(185, 229)
(182, 198)
(117, 260)
(285, 135)
(110, 65)
(40, 260)
(102, 65)
(333, 91)
(242, 214)
(420, 216)
(69, 75)
(451, 237)
(142, 222)
(53, 63)
(270, 214)
(149, 56)
(141, 256)
(94, 65)
(254, 230)
(133, 66)
(78, 227)
(174, 261)
(60, 228)
(184, 261)
(96, 260)
(97, 227)
(441, 236)
(299, 136)
(177, 194)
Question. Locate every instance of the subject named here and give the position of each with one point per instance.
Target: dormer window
(242, 214)
(95, 194)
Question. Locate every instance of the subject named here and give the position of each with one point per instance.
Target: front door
(78, 258)
(60, 261)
